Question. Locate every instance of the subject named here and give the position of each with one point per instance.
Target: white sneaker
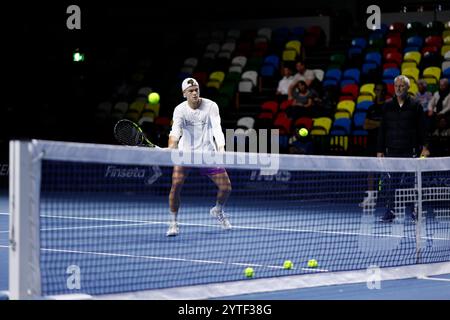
(220, 216)
(368, 200)
(173, 230)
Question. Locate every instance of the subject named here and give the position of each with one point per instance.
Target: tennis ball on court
(312, 263)
(288, 264)
(153, 98)
(248, 272)
(303, 132)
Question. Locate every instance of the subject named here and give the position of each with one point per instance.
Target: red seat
(285, 104)
(394, 42)
(349, 91)
(283, 123)
(433, 41)
(271, 106)
(395, 57)
(304, 122)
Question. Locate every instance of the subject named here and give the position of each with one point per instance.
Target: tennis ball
(153, 98)
(303, 132)
(248, 272)
(312, 263)
(288, 264)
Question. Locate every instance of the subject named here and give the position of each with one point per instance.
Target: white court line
(2, 246)
(4, 213)
(435, 279)
(249, 228)
(4, 231)
(121, 255)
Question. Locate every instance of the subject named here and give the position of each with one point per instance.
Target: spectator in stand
(284, 83)
(440, 103)
(424, 96)
(302, 74)
(303, 101)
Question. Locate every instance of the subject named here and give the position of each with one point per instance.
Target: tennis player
(196, 127)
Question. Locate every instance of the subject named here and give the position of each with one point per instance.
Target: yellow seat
(413, 89)
(153, 108)
(213, 84)
(412, 56)
(347, 106)
(367, 89)
(341, 142)
(137, 106)
(289, 55)
(294, 44)
(409, 64)
(364, 98)
(446, 39)
(341, 114)
(411, 73)
(217, 75)
(445, 49)
(432, 75)
(321, 126)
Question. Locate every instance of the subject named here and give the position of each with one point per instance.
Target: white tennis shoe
(221, 217)
(173, 230)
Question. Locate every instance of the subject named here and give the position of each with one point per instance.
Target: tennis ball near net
(312, 263)
(153, 98)
(249, 272)
(288, 264)
(303, 132)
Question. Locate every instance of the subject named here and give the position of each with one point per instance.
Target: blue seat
(390, 73)
(414, 41)
(446, 73)
(376, 35)
(354, 51)
(373, 57)
(410, 49)
(358, 120)
(267, 70)
(333, 74)
(273, 60)
(347, 81)
(330, 83)
(359, 42)
(368, 67)
(341, 127)
(363, 105)
(298, 32)
(352, 74)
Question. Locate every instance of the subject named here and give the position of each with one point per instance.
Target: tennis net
(92, 219)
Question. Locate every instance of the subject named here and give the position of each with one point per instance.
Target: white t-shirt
(197, 129)
(283, 84)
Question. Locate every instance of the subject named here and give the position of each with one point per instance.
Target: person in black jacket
(401, 133)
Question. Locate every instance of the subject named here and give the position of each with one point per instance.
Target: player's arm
(176, 132)
(217, 128)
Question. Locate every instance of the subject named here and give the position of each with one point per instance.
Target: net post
(419, 212)
(24, 279)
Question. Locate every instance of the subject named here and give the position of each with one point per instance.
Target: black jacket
(402, 129)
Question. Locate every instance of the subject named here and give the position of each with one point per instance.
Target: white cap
(188, 82)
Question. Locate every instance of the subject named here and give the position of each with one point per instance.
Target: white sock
(219, 206)
(173, 216)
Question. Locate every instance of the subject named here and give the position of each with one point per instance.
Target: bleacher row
(235, 64)
(413, 50)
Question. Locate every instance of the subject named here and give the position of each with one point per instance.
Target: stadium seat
(432, 75)
(390, 73)
(273, 60)
(408, 65)
(285, 104)
(414, 41)
(246, 86)
(412, 56)
(289, 55)
(265, 32)
(445, 65)
(349, 91)
(359, 42)
(374, 57)
(294, 44)
(153, 108)
(346, 106)
(446, 73)
(283, 123)
(434, 41)
(333, 74)
(321, 126)
(413, 89)
(364, 105)
(319, 73)
(251, 75)
(304, 122)
(394, 42)
(352, 74)
(271, 106)
(362, 98)
(358, 120)
(337, 60)
(245, 123)
(411, 73)
(367, 89)
(341, 127)
(445, 49)
(394, 57)
(239, 61)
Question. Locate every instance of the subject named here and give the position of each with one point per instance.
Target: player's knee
(226, 188)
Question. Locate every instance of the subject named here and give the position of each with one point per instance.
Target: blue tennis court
(96, 225)
(152, 256)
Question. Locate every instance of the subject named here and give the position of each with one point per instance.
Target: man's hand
(425, 152)
(380, 154)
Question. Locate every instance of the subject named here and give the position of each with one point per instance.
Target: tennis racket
(129, 133)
